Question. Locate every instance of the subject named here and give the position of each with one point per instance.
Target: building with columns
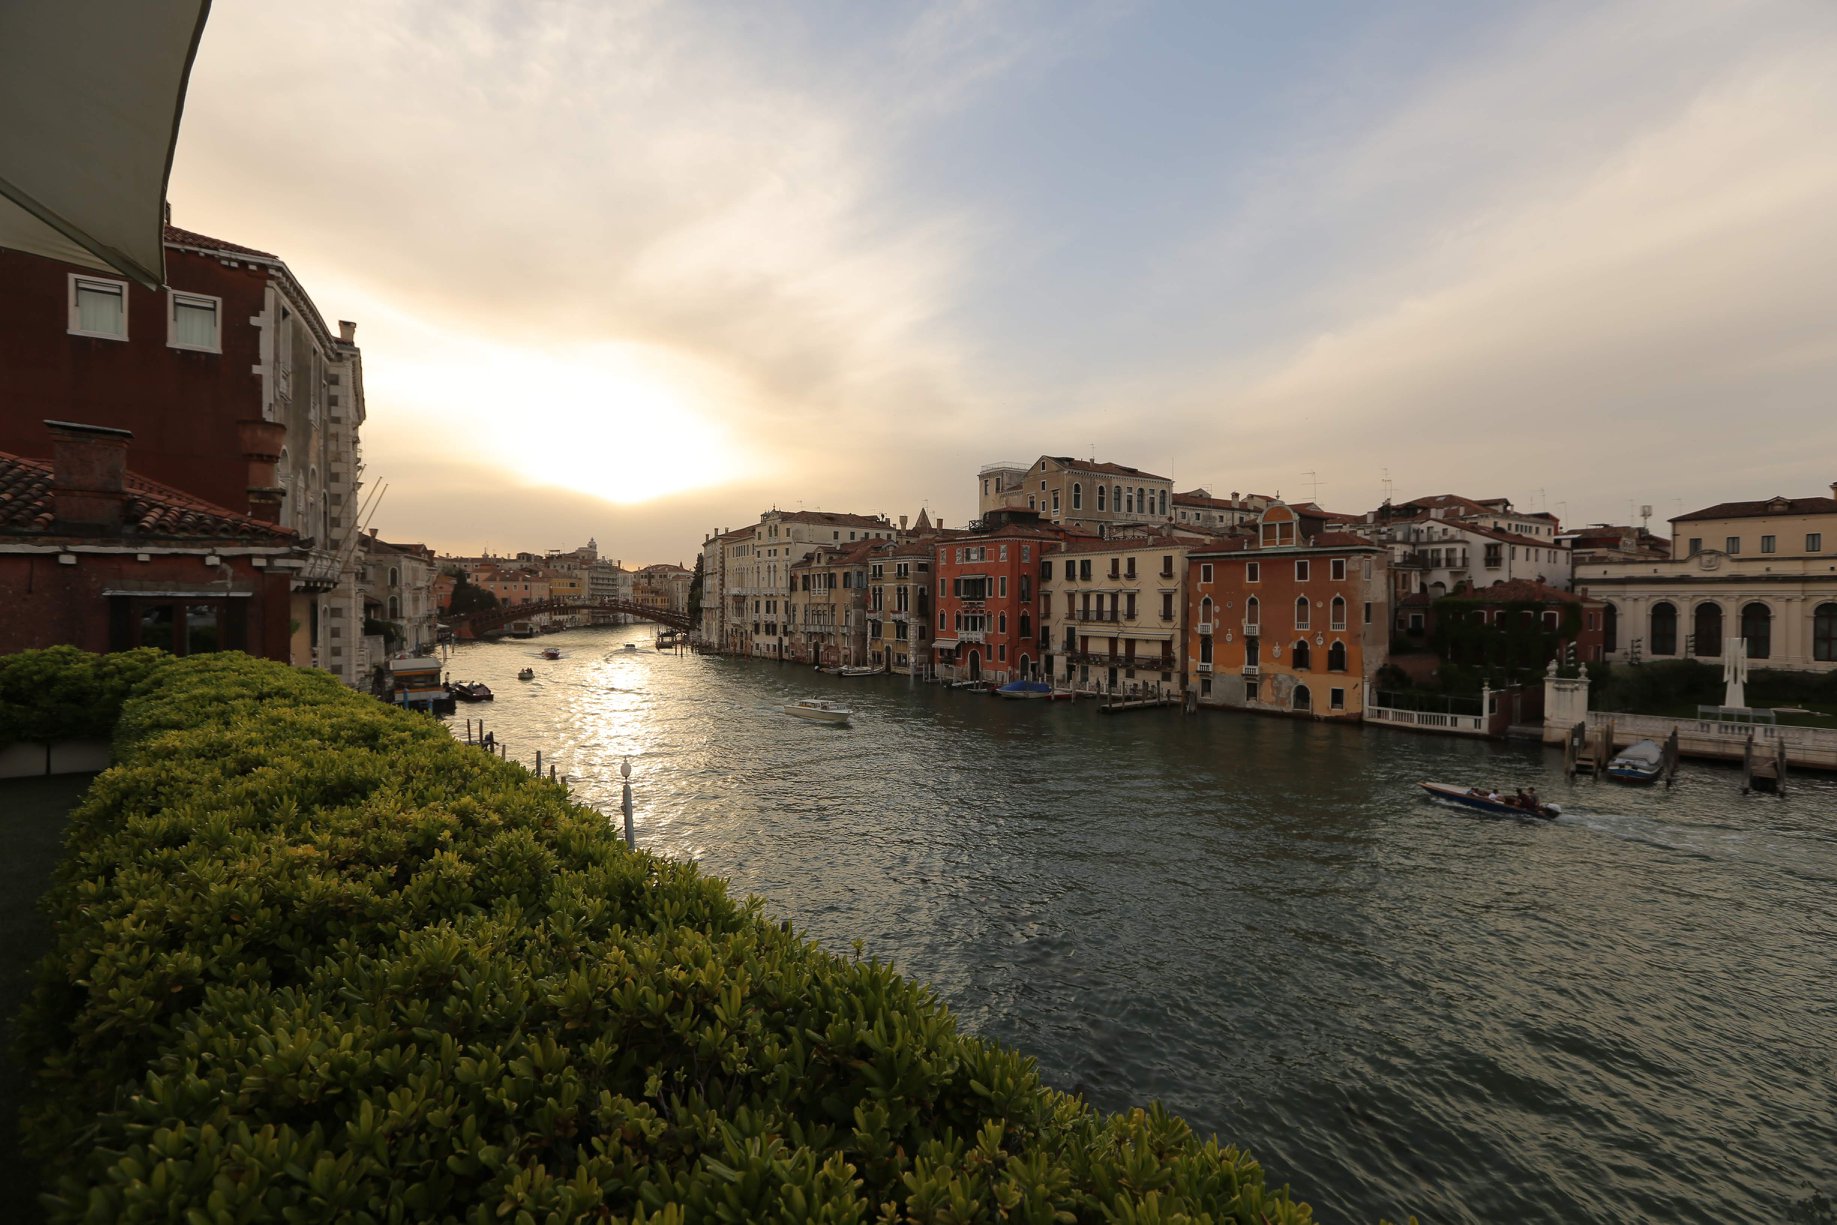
(1764, 571)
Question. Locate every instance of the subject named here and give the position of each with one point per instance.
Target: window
(1002, 587)
(1167, 606)
(192, 323)
(1251, 615)
(1003, 553)
(1300, 657)
(1084, 569)
(1026, 553)
(183, 626)
(1301, 612)
(1045, 569)
(1696, 545)
(1757, 628)
(1253, 689)
(1205, 572)
(1055, 501)
(98, 308)
(1253, 572)
(1814, 541)
(1706, 629)
(1100, 496)
(1338, 620)
(1336, 699)
(1077, 496)
(1766, 544)
(1824, 633)
(1664, 638)
(1336, 657)
(1732, 545)
(1301, 572)
(1336, 569)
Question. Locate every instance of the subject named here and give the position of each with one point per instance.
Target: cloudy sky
(643, 270)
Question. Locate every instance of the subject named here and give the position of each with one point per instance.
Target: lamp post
(631, 840)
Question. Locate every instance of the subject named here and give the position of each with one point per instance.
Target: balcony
(1252, 628)
(1205, 627)
(1202, 667)
(1252, 670)
(972, 635)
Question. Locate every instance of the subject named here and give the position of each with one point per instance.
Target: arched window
(1664, 637)
(1301, 612)
(395, 608)
(1141, 499)
(1116, 499)
(1128, 502)
(1339, 613)
(1303, 700)
(1757, 628)
(1077, 496)
(1252, 613)
(1824, 633)
(1706, 628)
(1164, 503)
(1026, 626)
(1205, 611)
(395, 577)
(1300, 656)
(1336, 657)
(1610, 628)
(1100, 497)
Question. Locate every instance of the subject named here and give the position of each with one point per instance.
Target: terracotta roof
(151, 511)
(1200, 498)
(1771, 506)
(1108, 469)
(1450, 501)
(175, 237)
(1519, 591)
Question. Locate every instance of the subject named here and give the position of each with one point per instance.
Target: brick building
(1286, 620)
(988, 599)
(102, 558)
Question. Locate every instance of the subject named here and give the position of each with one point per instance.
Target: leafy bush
(1654, 687)
(62, 693)
(318, 961)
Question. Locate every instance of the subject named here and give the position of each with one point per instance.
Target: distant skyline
(641, 271)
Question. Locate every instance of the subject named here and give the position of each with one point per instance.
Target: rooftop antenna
(1645, 515)
(1543, 499)
(1314, 483)
(1562, 510)
(1385, 479)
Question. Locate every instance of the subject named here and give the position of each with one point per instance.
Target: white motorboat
(820, 709)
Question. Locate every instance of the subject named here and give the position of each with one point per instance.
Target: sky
(641, 271)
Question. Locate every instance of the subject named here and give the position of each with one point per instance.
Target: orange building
(1290, 619)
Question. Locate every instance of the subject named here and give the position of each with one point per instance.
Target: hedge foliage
(318, 961)
(61, 693)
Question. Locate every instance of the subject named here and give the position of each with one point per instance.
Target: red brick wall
(48, 604)
(182, 406)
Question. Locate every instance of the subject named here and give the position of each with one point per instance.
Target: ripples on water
(1627, 1014)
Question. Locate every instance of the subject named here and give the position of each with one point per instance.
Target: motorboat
(820, 709)
(858, 670)
(551, 652)
(1640, 762)
(472, 691)
(630, 646)
(1037, 690)
(526, 674)
(1494, 802)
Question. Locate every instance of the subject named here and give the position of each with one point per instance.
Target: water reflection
(1399, 1007)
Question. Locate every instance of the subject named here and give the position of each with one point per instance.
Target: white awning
(91, 92)
(943, 644)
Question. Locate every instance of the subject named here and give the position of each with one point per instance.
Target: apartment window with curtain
(98, 307)
(1768, 543)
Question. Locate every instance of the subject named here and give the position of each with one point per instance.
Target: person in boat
(1531, 801)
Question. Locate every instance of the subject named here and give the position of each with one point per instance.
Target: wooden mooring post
(1763, 773)
(1671, 757)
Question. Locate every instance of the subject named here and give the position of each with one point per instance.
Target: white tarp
(90, 97)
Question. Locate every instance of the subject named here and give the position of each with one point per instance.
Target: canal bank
(1399, 1008)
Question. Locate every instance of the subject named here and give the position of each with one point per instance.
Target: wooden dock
(1119, 705)
(1761, 771)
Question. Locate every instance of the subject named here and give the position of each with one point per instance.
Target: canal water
(1398, 1007)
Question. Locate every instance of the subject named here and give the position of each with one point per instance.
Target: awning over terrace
(90, 97)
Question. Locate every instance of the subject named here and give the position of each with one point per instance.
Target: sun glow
(620, 421)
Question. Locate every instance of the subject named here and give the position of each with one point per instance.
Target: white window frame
(1301, 571)
(173, 300)
(99, 282)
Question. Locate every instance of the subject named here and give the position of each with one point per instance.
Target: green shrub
(318, 961)
(62, 693)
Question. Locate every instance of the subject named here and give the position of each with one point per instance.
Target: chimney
(261, 443)
(902, 518)
(347, 331)
(88, 468)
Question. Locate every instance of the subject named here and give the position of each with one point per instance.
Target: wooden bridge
(478, 624)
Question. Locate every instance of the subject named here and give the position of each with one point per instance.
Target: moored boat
(472, 691)
(1640, 762)
(526, 674)
(820, 709)
(1485, 800)
(858, 671)
(1035, 690)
